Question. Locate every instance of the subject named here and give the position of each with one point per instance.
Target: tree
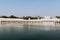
(26, 17)
(4, 17)
(12, 16)
(57, 16)
(33, 18)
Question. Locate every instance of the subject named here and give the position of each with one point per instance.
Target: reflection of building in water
(12, 29)
(29, 27)
(26, 27)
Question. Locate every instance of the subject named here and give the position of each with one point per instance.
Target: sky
(30, 7)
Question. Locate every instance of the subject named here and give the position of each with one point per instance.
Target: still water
(29, 32)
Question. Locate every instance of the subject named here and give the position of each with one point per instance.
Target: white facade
(47, 17)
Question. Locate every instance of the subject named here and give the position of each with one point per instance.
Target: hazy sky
(30, 7)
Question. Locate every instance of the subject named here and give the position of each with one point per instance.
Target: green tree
(12, 16)
(26, 17)
(4, 17)
(57, 16)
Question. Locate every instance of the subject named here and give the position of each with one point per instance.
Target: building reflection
(28, 27)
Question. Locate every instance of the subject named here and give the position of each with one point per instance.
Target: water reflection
(29, 31)
(28, 27)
